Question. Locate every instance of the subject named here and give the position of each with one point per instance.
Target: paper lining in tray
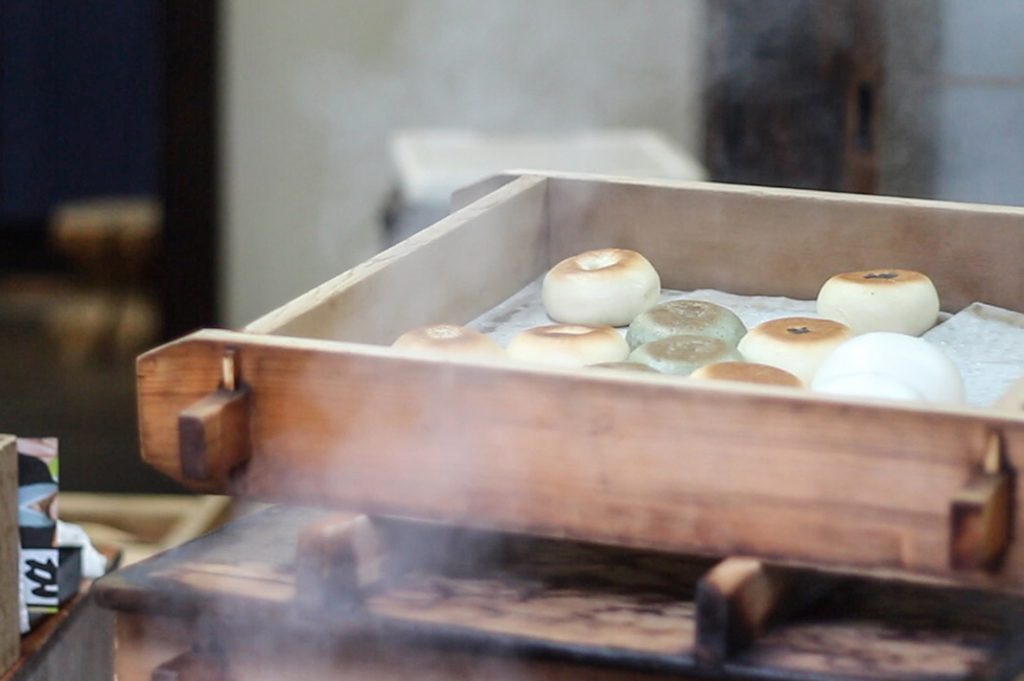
(985, 342)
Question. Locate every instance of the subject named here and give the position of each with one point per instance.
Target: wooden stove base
(74, 643)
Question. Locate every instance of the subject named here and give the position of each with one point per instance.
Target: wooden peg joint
(980, 513)
(213, 432)
(338, 559)
(739, 599)
(229, 370)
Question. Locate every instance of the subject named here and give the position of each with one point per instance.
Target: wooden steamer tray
(304, 405)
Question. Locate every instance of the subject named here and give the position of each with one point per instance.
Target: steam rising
(315, 92)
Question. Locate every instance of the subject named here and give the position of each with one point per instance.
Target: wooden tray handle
(981, 519)
(981, 513)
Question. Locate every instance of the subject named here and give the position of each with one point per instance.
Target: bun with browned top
(605, 287)
(450, 340)
(794, 344)
(900, 301)
(747, 372)
(569, 345)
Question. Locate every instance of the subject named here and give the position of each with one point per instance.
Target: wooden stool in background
(111, 241)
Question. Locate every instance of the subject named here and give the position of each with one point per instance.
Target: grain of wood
(589, 606)
(232, 581)
(833, 648)
(765, 241)
(299, 656)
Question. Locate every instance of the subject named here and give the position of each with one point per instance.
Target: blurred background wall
(312, 90)
(979, 82)
(255, 133)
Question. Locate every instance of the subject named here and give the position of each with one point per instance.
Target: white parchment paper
(985, 342)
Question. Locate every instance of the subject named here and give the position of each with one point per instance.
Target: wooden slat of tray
(779, 241)
(611, 459)
(745, 240)
(596, 606)
(769, 241)
(635, 461)
(561, 592)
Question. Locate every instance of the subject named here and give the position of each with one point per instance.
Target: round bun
(683, 354)
(747, 372)
(569, 345)
(794, 344)
(685, 317)
(914, 362)
(606, 287)
(625, 366)
(868, 385)
(449, 339)
(901, 301)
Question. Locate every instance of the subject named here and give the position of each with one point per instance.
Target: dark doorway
(108, 212)
(794, 90)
